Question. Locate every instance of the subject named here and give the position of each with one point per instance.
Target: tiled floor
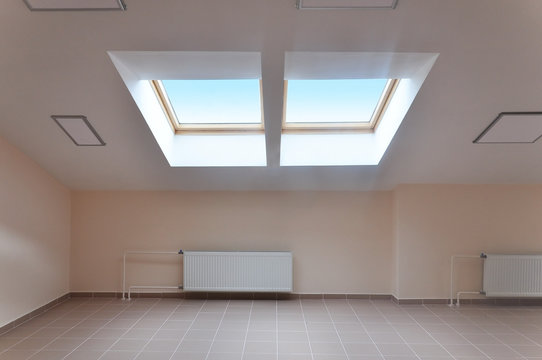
(170, 329)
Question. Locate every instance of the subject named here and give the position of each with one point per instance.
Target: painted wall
(341, 241)
(34, 235)
(396, 242)
(434, 222)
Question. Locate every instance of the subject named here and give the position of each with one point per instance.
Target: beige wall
(434, 222)
(397, 242)
(341, 241)
(34, 235)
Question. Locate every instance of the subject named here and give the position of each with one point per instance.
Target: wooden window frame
(180, 128)
(332, 127)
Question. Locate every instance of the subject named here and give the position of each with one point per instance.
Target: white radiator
(513, 275)
(237, 271)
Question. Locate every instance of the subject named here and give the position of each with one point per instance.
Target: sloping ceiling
(56, 63)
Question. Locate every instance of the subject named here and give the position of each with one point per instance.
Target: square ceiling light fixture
(512, 128)
(79, 130)
(346, 4)
(72, 5)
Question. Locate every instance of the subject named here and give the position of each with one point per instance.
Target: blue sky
(215, 101)
(350, 100)
(238, 101)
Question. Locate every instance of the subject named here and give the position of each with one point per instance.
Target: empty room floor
(98, 328)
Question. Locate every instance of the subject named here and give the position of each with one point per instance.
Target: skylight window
(336, 104)
(310, 145)
(211, 105)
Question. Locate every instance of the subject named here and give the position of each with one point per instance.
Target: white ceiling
(57, 63)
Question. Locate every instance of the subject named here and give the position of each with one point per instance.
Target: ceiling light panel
(346, 4)
(79, 130)
(59, 5)
(513, 128)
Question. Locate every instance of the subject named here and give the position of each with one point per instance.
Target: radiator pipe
(482, 256)
(127, 252)
(466, 292)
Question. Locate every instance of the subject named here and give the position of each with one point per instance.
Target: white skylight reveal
(214, 101)
(336, 104)
(347, 106)
(211, 105)
(340, 108)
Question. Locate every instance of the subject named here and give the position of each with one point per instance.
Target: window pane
(215, 101)
(333, 101)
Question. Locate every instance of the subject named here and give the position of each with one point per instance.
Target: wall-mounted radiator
(237, 271)
(513, 275)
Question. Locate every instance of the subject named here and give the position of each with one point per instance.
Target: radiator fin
(237, 271)
(513, 275)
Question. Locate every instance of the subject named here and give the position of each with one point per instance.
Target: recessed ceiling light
(59, 5)
(512, 128)
(79, 130)
(346, 4)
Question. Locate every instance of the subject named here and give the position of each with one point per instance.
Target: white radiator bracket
(454, 257)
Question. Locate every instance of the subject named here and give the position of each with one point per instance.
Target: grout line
(537, 343)
(159, 328)
(248, 324)
(58, 301)
(37, 329)
(56, 337)
(429, 333)
(335, 327)
(365, 328)
(277, 327)
(98, 329)
(130, 328)
(499, 340)
(306, 328)
(187, 330)
(216, 331)
(460, 334)
(396, 332)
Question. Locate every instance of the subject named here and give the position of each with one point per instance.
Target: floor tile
(337, 329)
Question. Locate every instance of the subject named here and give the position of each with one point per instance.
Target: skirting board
(34, 313)
(232, 295)
(293, 296)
